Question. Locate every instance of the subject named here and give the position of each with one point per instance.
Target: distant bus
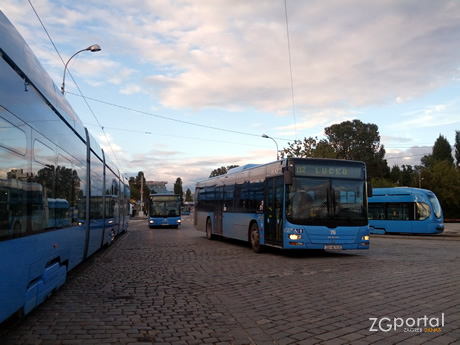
(405, 210)
(165, 210)
(292, 203)
(186, 210)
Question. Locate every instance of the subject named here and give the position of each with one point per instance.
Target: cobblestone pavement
(167, 286)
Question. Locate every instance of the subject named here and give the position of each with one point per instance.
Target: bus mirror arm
(287, 177)
(369, 187)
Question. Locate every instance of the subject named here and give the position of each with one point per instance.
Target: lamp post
(277, 151)
(93, 48)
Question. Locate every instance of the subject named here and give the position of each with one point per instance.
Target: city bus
(61, 198)
(294, 203)
(405, 210)
(165, 210)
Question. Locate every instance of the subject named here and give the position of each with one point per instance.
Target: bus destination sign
(171, 197)
(327, 170)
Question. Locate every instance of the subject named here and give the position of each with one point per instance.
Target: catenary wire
(87, 104)
(171, 119)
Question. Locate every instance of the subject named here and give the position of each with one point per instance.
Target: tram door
(218, 210)
(273, 210)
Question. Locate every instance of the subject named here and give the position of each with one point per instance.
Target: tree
(178, 187)
(311, 147)
(188, 195)
(135, 192)
(444, 180)
(442, 151)
(222, 170)
(395, 174)
(135, 185)
(353, 140)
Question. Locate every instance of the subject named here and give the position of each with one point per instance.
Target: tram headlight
(365, 238)
(295, 237)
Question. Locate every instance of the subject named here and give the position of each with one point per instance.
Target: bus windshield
(165, 206)
(326, 201)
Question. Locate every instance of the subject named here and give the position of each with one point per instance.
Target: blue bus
(405, 210)
(61, 198)
(165, 210)
(294, 203)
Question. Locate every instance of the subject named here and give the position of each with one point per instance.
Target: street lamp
(93, 48)
(277, 151)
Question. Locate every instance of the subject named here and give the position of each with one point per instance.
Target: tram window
(12, 137)
(423, 211)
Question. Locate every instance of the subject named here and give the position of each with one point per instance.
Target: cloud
(410, 156)
(234, 54)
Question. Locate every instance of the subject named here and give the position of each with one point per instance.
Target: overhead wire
(175, 136)
(87, 104)
(290, 68)
(86, 98)
(169, 118)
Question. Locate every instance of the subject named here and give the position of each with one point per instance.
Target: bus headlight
(295, 237)
(151, 221)
(178, 221)
(365, 238)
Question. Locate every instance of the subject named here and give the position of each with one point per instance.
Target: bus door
(218, 210)
(273, 210)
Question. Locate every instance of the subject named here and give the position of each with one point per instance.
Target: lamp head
(265, 136)
(94, 48)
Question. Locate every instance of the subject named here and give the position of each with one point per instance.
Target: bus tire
(209, 234)
(254, 236)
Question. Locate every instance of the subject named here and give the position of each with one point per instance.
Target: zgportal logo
(410, 324)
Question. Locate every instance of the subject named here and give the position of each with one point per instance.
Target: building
(157, 186)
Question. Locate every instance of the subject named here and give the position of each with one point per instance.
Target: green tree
(178, 187)
(444, 180)
(381, 182)
(222, 170)
(395, 174)
(408, 176)
(309, 147)
(353, 140)
(356, 140)
(188, 195)
(442, 151)
(135, 185)
(135, 192)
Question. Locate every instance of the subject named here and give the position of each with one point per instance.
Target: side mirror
(369, 188)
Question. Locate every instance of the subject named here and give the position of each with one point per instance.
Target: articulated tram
(61, 198)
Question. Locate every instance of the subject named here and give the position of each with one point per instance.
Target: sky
(183, 87)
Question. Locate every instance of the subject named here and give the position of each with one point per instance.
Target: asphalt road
(167, 286)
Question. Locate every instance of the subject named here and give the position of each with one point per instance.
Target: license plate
(333, 246)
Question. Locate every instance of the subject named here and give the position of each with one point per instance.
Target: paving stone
(165, 286)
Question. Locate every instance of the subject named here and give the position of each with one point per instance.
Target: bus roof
(398, 191)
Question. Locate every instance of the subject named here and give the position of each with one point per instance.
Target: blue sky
(184, 87)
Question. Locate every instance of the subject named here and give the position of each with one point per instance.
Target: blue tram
(405, 210)
(61, 198)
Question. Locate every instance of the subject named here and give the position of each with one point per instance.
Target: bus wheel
(209, 235)
(255, 238)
